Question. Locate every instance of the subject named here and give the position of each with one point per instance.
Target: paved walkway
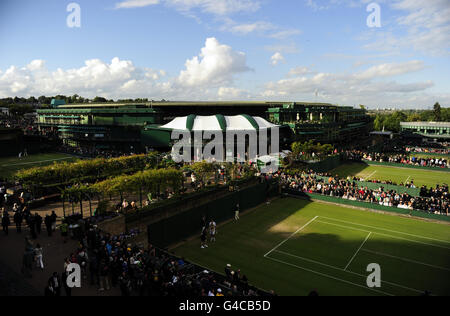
(13, 282)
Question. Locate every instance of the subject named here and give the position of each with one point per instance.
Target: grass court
(294, 246)
(10, 165)
(397, 174)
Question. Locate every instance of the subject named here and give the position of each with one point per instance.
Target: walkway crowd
(109, 261)
(435, 200)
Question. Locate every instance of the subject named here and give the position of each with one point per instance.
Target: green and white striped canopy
(219, 123)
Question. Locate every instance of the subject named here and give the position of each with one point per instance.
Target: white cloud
(214, 68)
(135, 4)
(393, 69)
(216, 7)
(365, 87)
(283, 34)
(244, 29)
(277, 58)
(300, 71)
(216, 64)
(230, 93)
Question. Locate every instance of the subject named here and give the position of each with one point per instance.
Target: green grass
(9, 166)
(294, 246)
(396, 174)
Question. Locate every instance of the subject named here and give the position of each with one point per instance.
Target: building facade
(438, 130)
(121, 126)
(323, 123)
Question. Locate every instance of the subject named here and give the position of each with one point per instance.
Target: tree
(99, 100)
(437, 112)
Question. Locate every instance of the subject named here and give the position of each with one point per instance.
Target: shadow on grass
(327, 255)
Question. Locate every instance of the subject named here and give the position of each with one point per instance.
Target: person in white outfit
(38, 254)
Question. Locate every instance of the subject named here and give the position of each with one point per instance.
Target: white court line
(382, 234)
(35, 162)
(357, 251)
(301, 228)
(330, 276)
(347, 271)
(403, 259)
(407, 179)
(371, 175)
(391, 231)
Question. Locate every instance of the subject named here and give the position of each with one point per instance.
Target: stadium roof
(426, 124)
(218, 123)
(189, 103)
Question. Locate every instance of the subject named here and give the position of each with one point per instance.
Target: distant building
(55, 103)
(4, 111)
(436, 130)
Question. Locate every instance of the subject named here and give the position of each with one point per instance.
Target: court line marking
(371, 175)
(404, 259)
(329, 276)
(35, 162)
(388, 230)
(382, 234)
(351, 260)
(298, 230)
(407, 179)
(347, 271)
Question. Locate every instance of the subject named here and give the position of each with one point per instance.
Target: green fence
(183, 225)
(387, 187)
(398, 165)
(326, 165)
(372, 206)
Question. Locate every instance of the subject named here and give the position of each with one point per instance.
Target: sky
(267, 50)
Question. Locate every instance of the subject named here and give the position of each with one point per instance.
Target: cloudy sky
(297, 50)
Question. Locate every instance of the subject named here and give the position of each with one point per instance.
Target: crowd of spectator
(441, 151)
(25, 123)
(435, 200)
(109, 261)
(435, 162)
(91, 152)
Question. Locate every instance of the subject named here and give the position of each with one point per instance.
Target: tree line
(391, 121)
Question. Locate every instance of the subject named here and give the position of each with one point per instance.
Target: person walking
(6, 222)
(38, 223)
(18, 218)
(38, 253)
(48, 225)
(55, 282)
(236, 212)
(53, 218)
(32, 225)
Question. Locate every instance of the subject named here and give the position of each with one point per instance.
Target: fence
(185, 224)
(326, 165)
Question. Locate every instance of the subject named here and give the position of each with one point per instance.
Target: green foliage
(305, 150)
(66, 172)
(391, 121)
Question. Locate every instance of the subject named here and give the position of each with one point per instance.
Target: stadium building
(428, 130)
(140, 125)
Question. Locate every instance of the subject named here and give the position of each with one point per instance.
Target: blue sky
(305, 50)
